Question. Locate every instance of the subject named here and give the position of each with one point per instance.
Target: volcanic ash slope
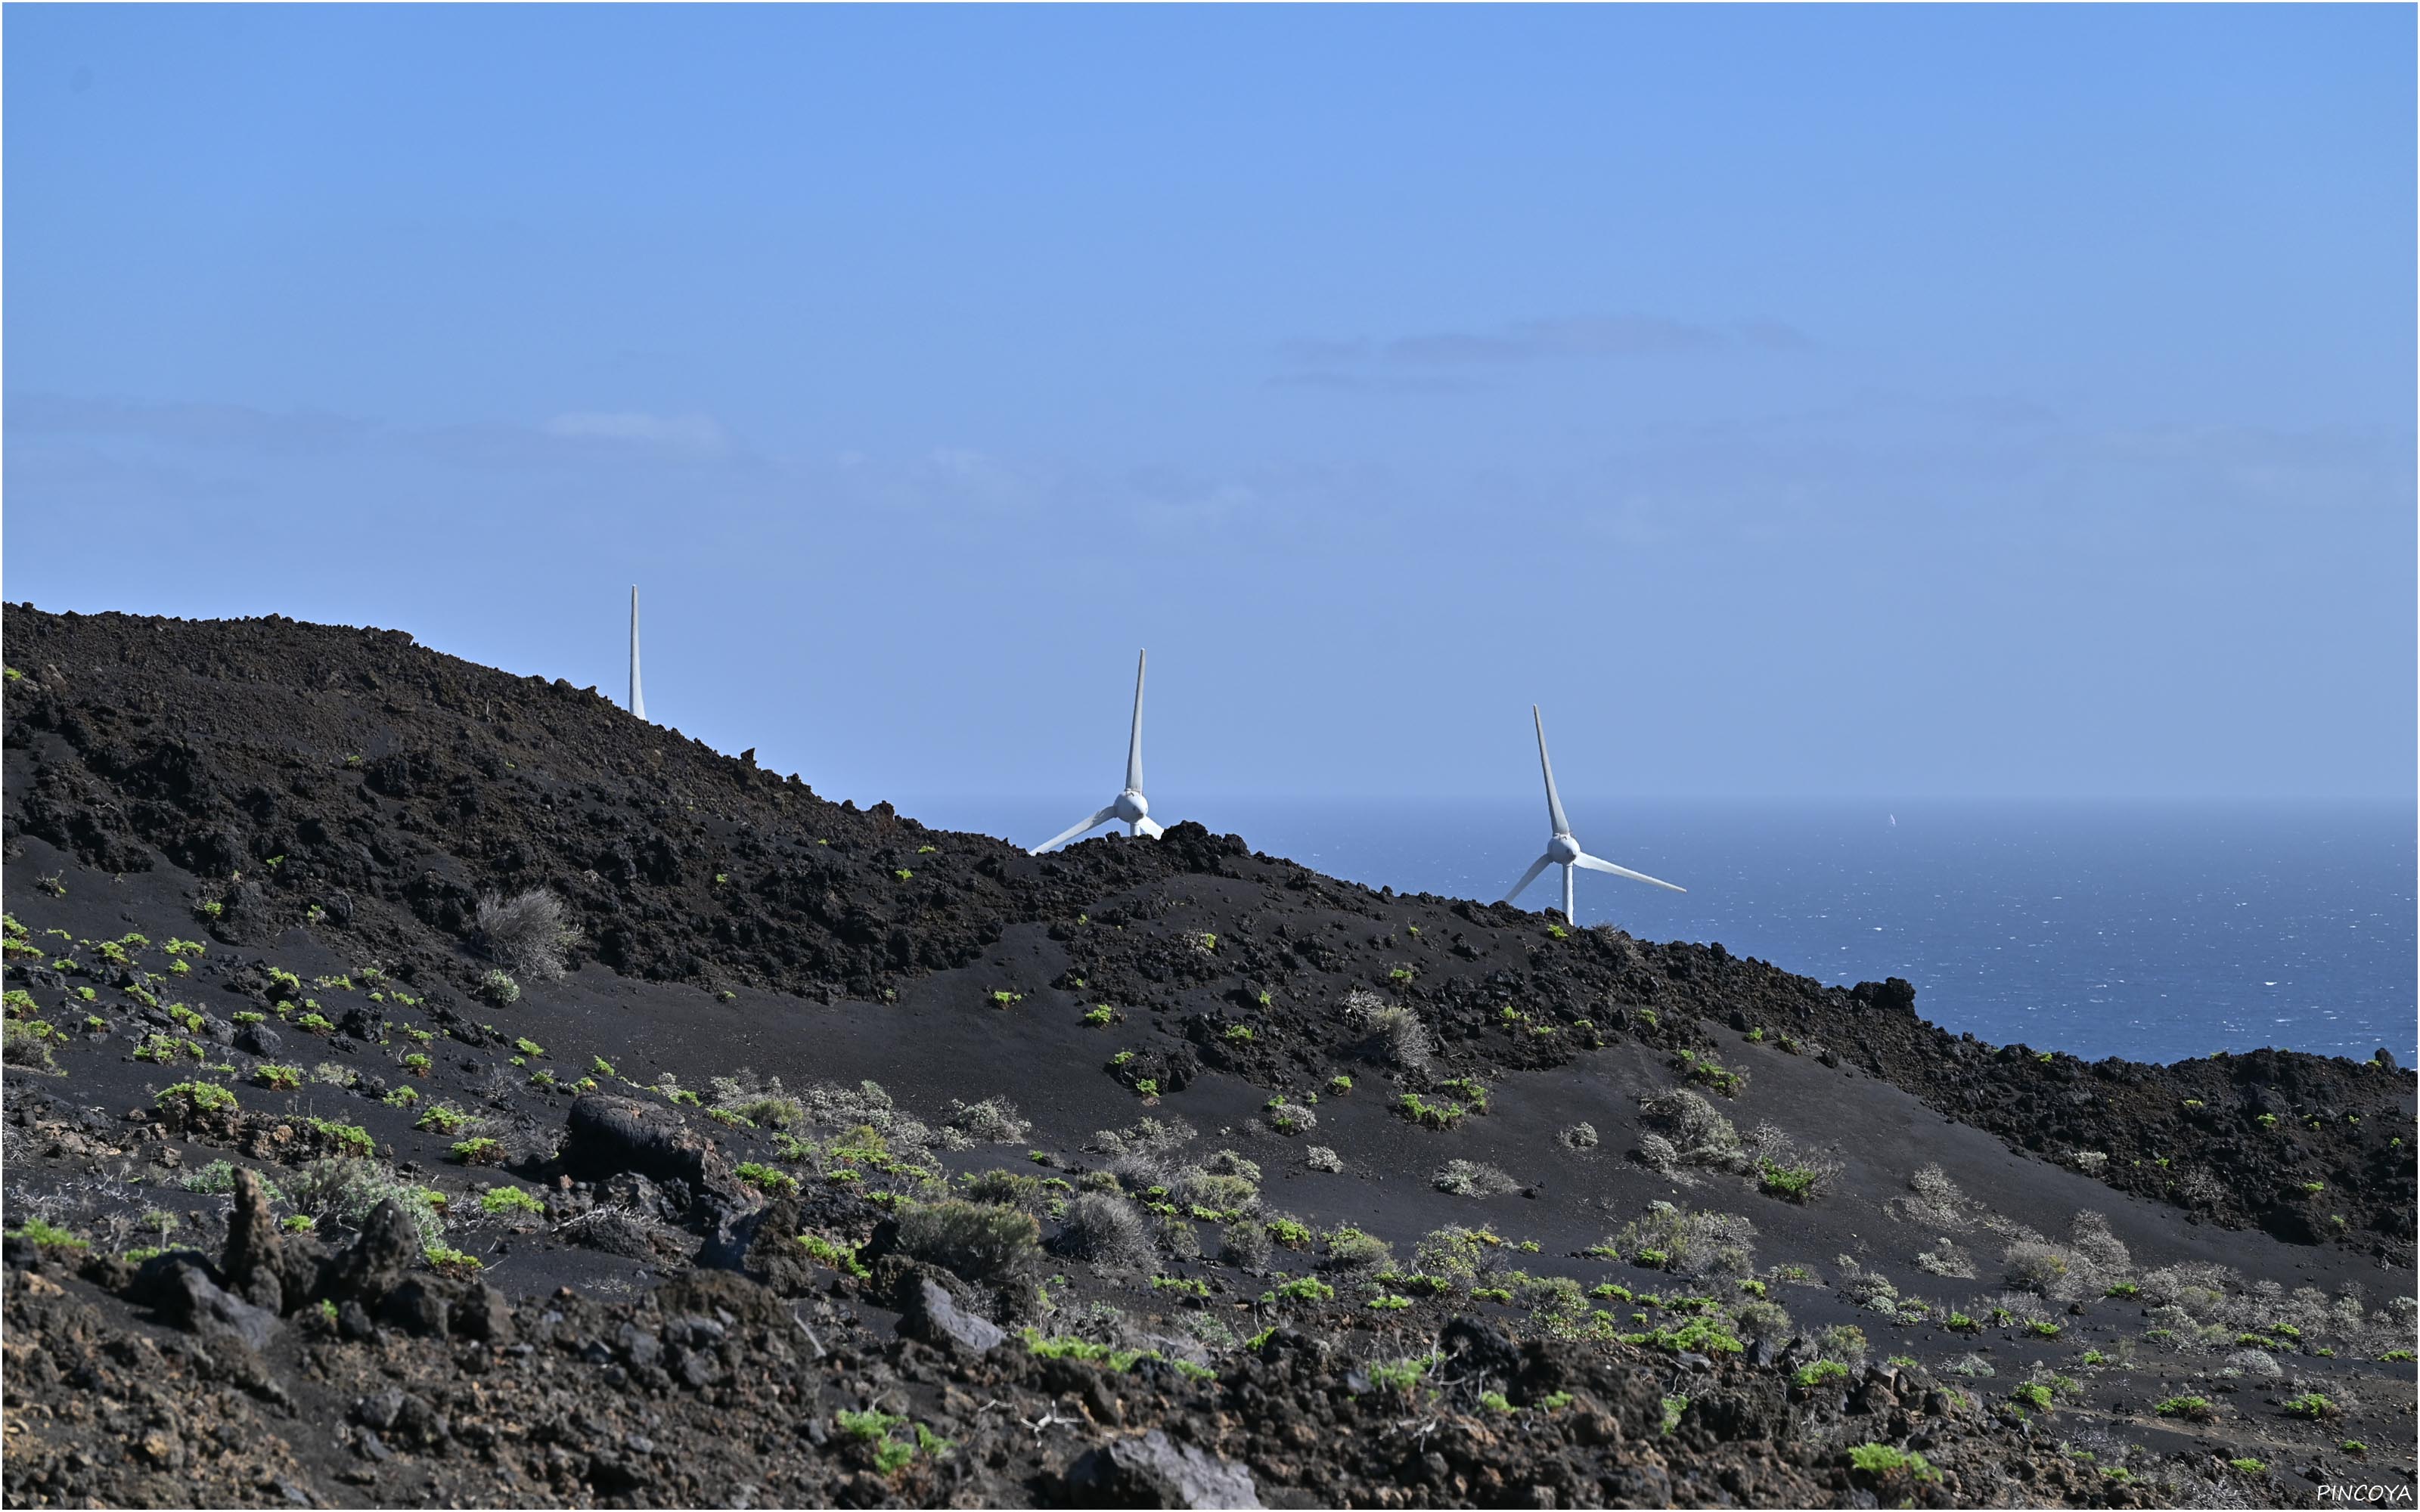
(427, 1085)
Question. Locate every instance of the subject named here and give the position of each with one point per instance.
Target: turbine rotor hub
(1131, 806)
(1564, 850)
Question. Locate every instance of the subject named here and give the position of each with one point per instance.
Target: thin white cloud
(699, 436)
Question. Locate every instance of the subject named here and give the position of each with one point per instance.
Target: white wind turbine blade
(1554, 802)
(1149, 827)
(1102, 817)
(638, 704)
(1527, 877)
(1134, 740)
(1597, 863)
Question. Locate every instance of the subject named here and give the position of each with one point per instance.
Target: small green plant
(1098, 1016)
(1791, 1183)
(417, 1064)
(499, 1200)
(350, 1139)
(1429, 1114)
(49, 1235)
(2043, 1328)
(1885, 1463)
(833, 1255)
(199, 1097)
(451, 1262)
(278, 1078)
(2311, 1405)
(2126, 1290)
(1817, 1372)
(1238, 1034)
(480, 1151)
(1305, 1288)
(765, 1179)
(2033, 1394)
(2249, 1465)
(2191, 1408)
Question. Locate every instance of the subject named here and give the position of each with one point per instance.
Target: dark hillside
(1362, 1197)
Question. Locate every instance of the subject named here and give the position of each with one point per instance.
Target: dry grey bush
(994, 1120)
(1699, 1134)
(2088, 1235)
(1692, 1243)
(1245, 1244)
(347, 1191)
(828, 1105)
(1321, 1158)
(2256, 1363)
(1472, 1179)
(1946, 1259)
(1398, 1029)
(2039, 1267)
(1934, 1202)
(1106, 1231)
(1150, 1154)
(1580, 1137)
(527, 932)
(1230, 1163)
(1657, 1154)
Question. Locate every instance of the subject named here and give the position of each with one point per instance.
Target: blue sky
(1878, 402)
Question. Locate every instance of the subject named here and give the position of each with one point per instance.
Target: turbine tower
(638, 704)
(1561, 849)
(1130, 809)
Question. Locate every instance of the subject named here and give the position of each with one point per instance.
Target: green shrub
(499, 1200)
(2191, 1408)
(834, 1254)
(350, 1139)
(198, 1097)
(480, 1151)
(977, 1241)
(1883, 1462)
(766, 1178)
(1305, 1288)
(2311, 1405)
(50, 1235)
(1793, 1183)
(1820, 1371)
(1429, 1114)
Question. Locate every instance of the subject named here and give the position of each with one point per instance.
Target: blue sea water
(2153, 930)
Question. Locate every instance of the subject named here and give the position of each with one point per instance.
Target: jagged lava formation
(1191, 1176)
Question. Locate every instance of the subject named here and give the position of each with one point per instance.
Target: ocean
(2151, 931)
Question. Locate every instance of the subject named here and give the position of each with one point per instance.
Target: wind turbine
(1561, 849)
(638, 704)
(1131, 809)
